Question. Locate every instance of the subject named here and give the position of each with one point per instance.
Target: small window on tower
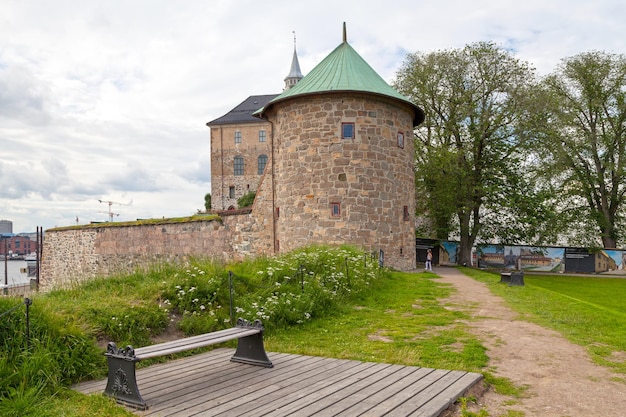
(237, 137)
(231, 192)
(400, 140)
(347, 130)
(261, 135)
(405, 213)
(335, 209)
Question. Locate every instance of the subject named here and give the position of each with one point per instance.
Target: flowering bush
(281, 291)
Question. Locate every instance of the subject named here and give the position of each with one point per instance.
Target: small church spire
(295, 74)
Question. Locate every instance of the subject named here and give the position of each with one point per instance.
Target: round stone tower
(342, 153)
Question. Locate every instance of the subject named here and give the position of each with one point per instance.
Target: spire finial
(294, 39)
(345, 35)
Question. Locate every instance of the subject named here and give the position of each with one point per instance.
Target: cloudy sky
(108, 100)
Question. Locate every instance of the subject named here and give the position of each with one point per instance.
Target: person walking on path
(429, 260)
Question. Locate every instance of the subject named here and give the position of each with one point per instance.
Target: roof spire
(345, 35)
(295, 74)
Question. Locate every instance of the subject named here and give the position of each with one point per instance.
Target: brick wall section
(370, 176)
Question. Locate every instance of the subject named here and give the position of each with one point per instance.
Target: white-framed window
(262, 136)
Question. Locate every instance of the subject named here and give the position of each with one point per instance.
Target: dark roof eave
(418, 118)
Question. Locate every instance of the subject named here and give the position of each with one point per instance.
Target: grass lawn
(402, 322)
(311, 304)
(589, 311)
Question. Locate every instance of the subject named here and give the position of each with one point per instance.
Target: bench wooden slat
(189, 343)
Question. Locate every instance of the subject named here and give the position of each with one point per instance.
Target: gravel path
(562, 380)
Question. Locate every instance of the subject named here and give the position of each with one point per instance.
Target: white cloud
(109, 100)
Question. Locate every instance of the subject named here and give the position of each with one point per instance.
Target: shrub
(246, 200)
(282, 291)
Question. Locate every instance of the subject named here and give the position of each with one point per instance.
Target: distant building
(6, 226)
(13, 245)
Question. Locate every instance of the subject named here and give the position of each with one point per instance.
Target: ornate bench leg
(250, 349)
(122, 382)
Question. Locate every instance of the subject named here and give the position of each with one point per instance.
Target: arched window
(238, 165)
(262, 163)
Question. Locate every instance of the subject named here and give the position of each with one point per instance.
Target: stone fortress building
(330, 160)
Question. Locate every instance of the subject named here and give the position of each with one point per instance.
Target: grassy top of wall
(140, 222)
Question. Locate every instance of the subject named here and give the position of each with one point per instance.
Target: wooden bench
(122, 382)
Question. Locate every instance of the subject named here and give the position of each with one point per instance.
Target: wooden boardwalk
(209, 384)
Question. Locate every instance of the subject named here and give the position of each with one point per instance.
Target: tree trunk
(466, 240)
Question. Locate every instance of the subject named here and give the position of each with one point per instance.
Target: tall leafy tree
(467, 162)
(582, 143)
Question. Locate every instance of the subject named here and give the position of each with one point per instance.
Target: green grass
(589, 311)
(400, 321)
(332, 302)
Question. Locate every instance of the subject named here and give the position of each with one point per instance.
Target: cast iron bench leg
(122, 382)
(250, 349)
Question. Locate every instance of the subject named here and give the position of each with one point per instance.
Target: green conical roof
(343, 70)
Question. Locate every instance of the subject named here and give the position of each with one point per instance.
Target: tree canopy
(581, 143)
(468, 162)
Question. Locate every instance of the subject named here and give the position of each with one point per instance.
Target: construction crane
(110, 203)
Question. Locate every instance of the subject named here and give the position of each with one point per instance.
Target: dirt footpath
(562, 381)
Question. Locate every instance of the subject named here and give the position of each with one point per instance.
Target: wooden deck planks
(208, 384)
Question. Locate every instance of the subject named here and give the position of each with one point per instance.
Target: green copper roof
(343, 70)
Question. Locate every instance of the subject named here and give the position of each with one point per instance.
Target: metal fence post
(230, 289)
(28, 302)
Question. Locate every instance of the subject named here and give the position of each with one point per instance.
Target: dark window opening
(400, 140)
(335, 209)
(238, 165)
(405, 213)
(262, 161)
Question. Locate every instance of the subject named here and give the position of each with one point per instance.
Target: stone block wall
(370, 176)
(71, 255)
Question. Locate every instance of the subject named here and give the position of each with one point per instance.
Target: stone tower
(341, 169)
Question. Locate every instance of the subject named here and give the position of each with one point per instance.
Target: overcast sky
(108, 100)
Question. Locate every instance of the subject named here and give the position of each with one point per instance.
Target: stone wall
(71, 255)
(370, 176)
